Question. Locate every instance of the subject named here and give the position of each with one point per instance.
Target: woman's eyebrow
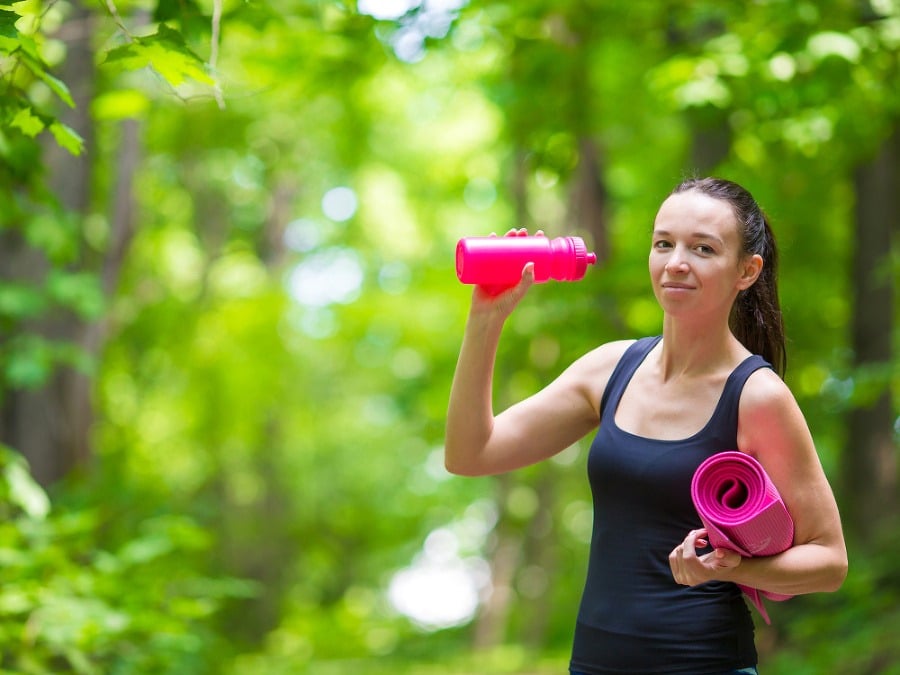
(694, 235)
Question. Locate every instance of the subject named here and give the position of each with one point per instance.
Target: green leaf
(145, 549)
(8, 25)
(77, 291)
(30, 8)
(67, 137)
(28, 365)
(19, 301)
(9, 34)
(176, 65)
(55, 234)
(29, 124)
(58, 87)
(166, 52)
(36, 65)
(29, 47)
(130, 56)
(25, 492)
(169, 35)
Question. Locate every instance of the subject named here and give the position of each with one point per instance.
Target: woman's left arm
(772, 429)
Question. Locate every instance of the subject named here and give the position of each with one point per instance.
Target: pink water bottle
(498, 261)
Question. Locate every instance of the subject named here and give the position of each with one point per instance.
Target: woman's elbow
(459, 466)
(839, 572)
(453, 466)
(835, 573)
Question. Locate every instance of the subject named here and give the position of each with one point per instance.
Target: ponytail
(755, 318)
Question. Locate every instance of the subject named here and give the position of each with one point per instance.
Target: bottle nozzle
(591, 258)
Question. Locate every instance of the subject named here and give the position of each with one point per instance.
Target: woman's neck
(697, 349)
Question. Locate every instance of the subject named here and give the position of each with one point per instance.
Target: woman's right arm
(478, 442)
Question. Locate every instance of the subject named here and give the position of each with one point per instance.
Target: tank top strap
(726, 413)
(622, 373)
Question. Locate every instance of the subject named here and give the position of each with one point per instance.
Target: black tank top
(634, 618)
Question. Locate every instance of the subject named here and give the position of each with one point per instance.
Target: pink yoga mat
(742, 511)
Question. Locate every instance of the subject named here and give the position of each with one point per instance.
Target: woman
(657, 599)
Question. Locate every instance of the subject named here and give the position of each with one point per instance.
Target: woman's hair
(756, 314)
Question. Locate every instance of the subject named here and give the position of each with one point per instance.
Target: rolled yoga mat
(742, 511)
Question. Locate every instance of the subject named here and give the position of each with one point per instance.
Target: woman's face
(696, 264)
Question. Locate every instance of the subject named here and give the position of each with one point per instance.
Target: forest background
(229, 315)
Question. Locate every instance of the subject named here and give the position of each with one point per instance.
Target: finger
(676, 556)
(721, 559)
(512, 294)
(726, 558)
(701, 538)
(528, 273)
(526, 279)
(690, 544)
(677, 565)
(518, 291)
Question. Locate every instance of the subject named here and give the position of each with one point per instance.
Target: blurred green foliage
(83, 594)
(270, 390)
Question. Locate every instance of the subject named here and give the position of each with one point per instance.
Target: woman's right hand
(503, 299)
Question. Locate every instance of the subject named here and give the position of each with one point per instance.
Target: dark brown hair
(756, 314)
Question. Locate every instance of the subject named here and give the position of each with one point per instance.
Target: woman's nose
(676, 264)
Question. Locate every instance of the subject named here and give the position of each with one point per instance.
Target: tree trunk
(505, 559)
(587, 197)
(47, 424)
(541, 562)
(710, 139)
(708, 124)
(870, 458)
(52, 425)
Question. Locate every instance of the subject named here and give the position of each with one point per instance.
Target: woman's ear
(751, 267)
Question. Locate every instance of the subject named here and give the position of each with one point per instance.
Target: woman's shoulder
(764, 385)
(594, 369)
(598, 364)
(766, 396)
(771, 425)
(607, 355)
(590, 373)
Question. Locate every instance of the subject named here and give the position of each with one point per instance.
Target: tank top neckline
(612, 405)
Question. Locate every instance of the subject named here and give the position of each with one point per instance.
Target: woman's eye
(705, 250)
(661, 244)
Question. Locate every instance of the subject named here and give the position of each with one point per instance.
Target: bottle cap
(582, 257)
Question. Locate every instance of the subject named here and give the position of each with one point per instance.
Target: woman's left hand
(690, 569)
